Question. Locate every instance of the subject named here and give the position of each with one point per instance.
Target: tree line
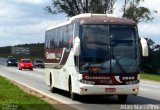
(131, 9)
(36, 50)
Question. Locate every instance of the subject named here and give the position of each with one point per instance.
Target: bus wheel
(122, 98)
(52, 88)
(72, 95)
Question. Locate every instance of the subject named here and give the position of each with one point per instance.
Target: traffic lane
(30, 78)
(98, 99)
(33, 78)
(149, 89)
(111, 103)
(3, 61)
(150, 85)
(12, 71)
(152, 94)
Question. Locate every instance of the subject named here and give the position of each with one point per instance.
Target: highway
(149, 91)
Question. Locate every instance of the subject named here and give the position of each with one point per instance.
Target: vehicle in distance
(25, 64)
(38, 63)
(12, 62)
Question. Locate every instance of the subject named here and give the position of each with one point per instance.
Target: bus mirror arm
(144, 47)
(76, 47)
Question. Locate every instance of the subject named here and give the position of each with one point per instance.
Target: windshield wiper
(112, 56)
(119, 65)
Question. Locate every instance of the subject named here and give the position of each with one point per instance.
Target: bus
(94, 54)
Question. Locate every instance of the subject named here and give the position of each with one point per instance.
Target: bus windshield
(109, 49)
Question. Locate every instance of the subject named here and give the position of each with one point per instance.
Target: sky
(25, 21)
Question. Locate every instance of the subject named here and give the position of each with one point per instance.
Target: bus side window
(57, 37)
(61, 37)
(48, 39)
(76, 30)
(70, 37)
(65, 36)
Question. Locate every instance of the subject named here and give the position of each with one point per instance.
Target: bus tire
(122, 98)
(52, 88)
(73, 96)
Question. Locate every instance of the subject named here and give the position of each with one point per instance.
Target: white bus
(94, 54)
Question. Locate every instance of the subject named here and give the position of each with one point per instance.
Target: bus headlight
(87, 82)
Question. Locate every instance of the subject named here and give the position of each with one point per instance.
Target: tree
(75, 7)
(133, 10)
(151, 64)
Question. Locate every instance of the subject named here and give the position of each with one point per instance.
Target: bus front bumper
(85, 89)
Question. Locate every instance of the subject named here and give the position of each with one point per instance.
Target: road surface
(149, 91)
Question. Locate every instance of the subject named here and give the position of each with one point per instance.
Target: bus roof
(89, 18)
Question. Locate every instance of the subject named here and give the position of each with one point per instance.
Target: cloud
(24, 21)
(151, 4)
(11, 43)
(10, 35)
(35, 2)
(150, 30)
(17, 11)
(30, 1)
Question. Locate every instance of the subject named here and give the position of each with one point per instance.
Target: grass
(148, 76)
(13, 98)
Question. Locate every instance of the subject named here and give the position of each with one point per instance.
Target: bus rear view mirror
(144, 47)
(76, 47)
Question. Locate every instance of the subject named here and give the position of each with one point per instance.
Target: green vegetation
(148, 76)
(36, 51)
(13, 98)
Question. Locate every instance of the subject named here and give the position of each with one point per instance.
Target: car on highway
(38, 63)
(25, 64)
(12, 62)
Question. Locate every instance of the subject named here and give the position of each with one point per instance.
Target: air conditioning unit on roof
(92, 15)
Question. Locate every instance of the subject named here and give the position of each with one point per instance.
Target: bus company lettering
(128, 78)
(50, 55)
(96, 77)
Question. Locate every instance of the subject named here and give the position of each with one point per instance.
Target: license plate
(110, 90)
